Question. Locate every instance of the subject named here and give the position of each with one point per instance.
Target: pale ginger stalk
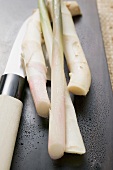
(74, 141)
(80, 76)
(72, 6)
(56, 145)
(35, 64)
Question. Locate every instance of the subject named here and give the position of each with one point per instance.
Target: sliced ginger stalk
(35, 64)
(56, 145)
(80, 76)
(74, 142)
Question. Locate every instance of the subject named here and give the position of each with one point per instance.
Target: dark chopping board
(94, 112)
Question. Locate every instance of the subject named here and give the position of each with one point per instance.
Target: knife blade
(11, 87)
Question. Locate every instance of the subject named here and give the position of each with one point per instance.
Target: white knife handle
(10, 113)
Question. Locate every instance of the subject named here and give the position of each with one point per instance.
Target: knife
(11, 87)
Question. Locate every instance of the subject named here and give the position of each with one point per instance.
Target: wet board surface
(94, 112)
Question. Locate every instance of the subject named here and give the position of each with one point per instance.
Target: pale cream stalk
(74, 142)
(35, 64)
(56, 145)
(80, 76)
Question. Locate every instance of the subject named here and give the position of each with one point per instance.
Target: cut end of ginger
(80, 79)
(76, 89)
(56, 151)
(43, 108)
(75, 150)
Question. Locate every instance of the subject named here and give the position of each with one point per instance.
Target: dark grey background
(94, 112)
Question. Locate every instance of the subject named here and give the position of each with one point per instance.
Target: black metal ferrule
(12, 85)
